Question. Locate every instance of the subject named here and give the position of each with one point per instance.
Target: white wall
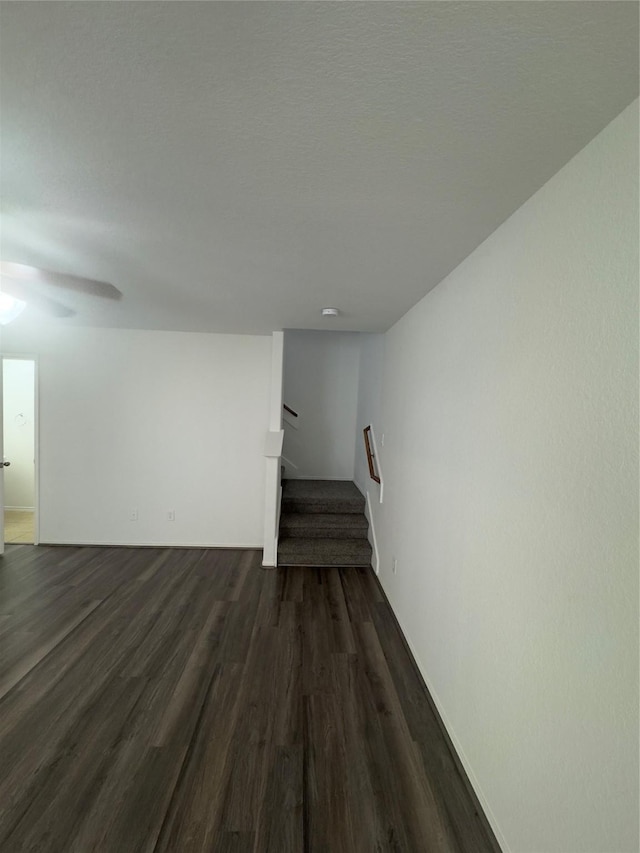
(509, 409)
(369, 411)
(321, 384)
(19, 435)
(153, 421)
(273, 455)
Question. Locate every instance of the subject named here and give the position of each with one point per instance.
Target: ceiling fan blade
(21, 290)
(36, 276)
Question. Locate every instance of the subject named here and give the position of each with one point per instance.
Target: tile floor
(18, 526)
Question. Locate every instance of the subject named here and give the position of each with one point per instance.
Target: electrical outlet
(394, 566)
(133, 515)
(171, 515)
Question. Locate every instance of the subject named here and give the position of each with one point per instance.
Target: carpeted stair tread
(293, 551)
(322, 488)
(323, 524)
(330, 525)
(321, 496)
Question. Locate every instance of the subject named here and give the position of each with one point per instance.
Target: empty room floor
(190, 700)
(18, 526)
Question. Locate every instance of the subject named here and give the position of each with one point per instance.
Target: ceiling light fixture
(330, 312)
(10, 308)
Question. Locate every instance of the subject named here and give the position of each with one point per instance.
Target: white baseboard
(288, 463)
(372, 536)
(19, 509)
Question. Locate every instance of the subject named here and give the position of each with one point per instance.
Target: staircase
(323, 524)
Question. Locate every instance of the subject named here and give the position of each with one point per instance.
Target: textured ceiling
(236, 166)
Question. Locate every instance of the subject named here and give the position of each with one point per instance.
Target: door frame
(19, 356)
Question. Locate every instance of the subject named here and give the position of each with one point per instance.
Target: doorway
(19, 449)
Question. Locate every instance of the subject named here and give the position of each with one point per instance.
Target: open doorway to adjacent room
(19, 449)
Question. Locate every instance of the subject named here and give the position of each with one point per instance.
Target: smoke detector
(330, 312)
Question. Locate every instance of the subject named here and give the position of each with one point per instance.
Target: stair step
(324, 525)
(323, 552)
(321, 496)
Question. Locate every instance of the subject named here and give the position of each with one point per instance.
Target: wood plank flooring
(189, 700)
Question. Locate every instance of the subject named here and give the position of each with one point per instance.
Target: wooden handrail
(291, 412)
(370, 454)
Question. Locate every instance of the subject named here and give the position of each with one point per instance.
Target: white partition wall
(149, 438)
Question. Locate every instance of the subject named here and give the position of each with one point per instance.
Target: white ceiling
(235, 167)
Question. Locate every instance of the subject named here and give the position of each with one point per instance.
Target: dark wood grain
(190, 700)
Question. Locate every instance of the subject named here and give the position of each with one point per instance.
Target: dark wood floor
(189, 700)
